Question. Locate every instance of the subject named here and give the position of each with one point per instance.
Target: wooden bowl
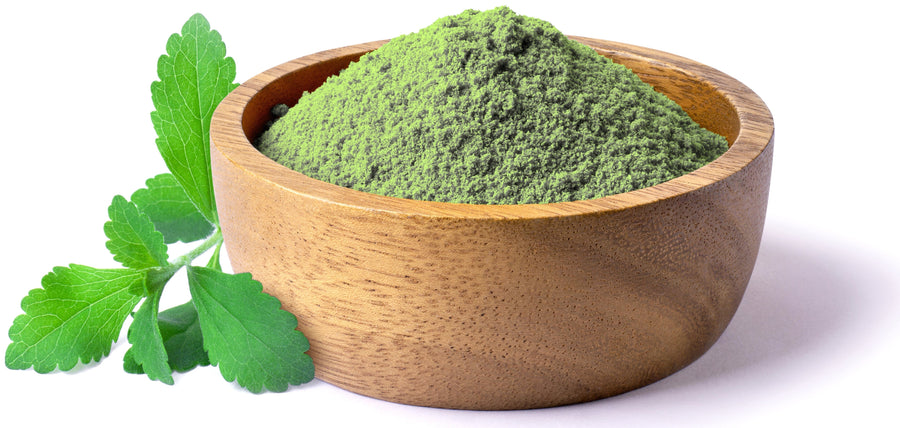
(500, 306)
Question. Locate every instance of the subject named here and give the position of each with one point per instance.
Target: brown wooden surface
(491, 306)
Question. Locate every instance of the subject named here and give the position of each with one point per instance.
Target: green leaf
(129, 365)
(214, 262)
(147, 348)
(246, 332)
(194, 77)
(133, 240)
(180, 327)
(180, 331)
(170, 209)
(77, 314)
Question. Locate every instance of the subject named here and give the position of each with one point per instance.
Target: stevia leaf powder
(489, 108)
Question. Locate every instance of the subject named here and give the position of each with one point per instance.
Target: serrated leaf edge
(157, 345)
(230, 374)
(63, 365)
(132, 217)
(160, 182)
(197, 27)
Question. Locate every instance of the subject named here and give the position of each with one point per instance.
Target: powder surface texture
(489, 108)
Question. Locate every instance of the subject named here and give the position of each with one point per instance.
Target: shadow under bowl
(500, 306)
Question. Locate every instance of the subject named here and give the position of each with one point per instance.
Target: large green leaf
(246, 333)
(76, 315)
(195, 76)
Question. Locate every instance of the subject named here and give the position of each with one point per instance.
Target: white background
(815, 341)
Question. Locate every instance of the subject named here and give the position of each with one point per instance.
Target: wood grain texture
(500, 306)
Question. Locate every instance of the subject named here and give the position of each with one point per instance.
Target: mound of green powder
(489, 108)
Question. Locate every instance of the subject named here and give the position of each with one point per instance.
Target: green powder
(489, 108)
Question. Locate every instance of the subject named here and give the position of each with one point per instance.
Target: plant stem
(158, 277)
(214, 240)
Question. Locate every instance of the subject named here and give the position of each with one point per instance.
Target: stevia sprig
(79, 311)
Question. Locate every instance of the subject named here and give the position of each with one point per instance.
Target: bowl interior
(703, 102)
(288, 88)
(713, 99)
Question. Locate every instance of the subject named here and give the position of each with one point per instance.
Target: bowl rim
(755, 134)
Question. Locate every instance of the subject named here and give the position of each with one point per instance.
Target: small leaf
(147, 348)
(76, 315)
(214, 262)
(129, 365)
(247, 334)
(170, 209)
(133, 240)
(180, 327)
(180, 330)
(195, 76)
